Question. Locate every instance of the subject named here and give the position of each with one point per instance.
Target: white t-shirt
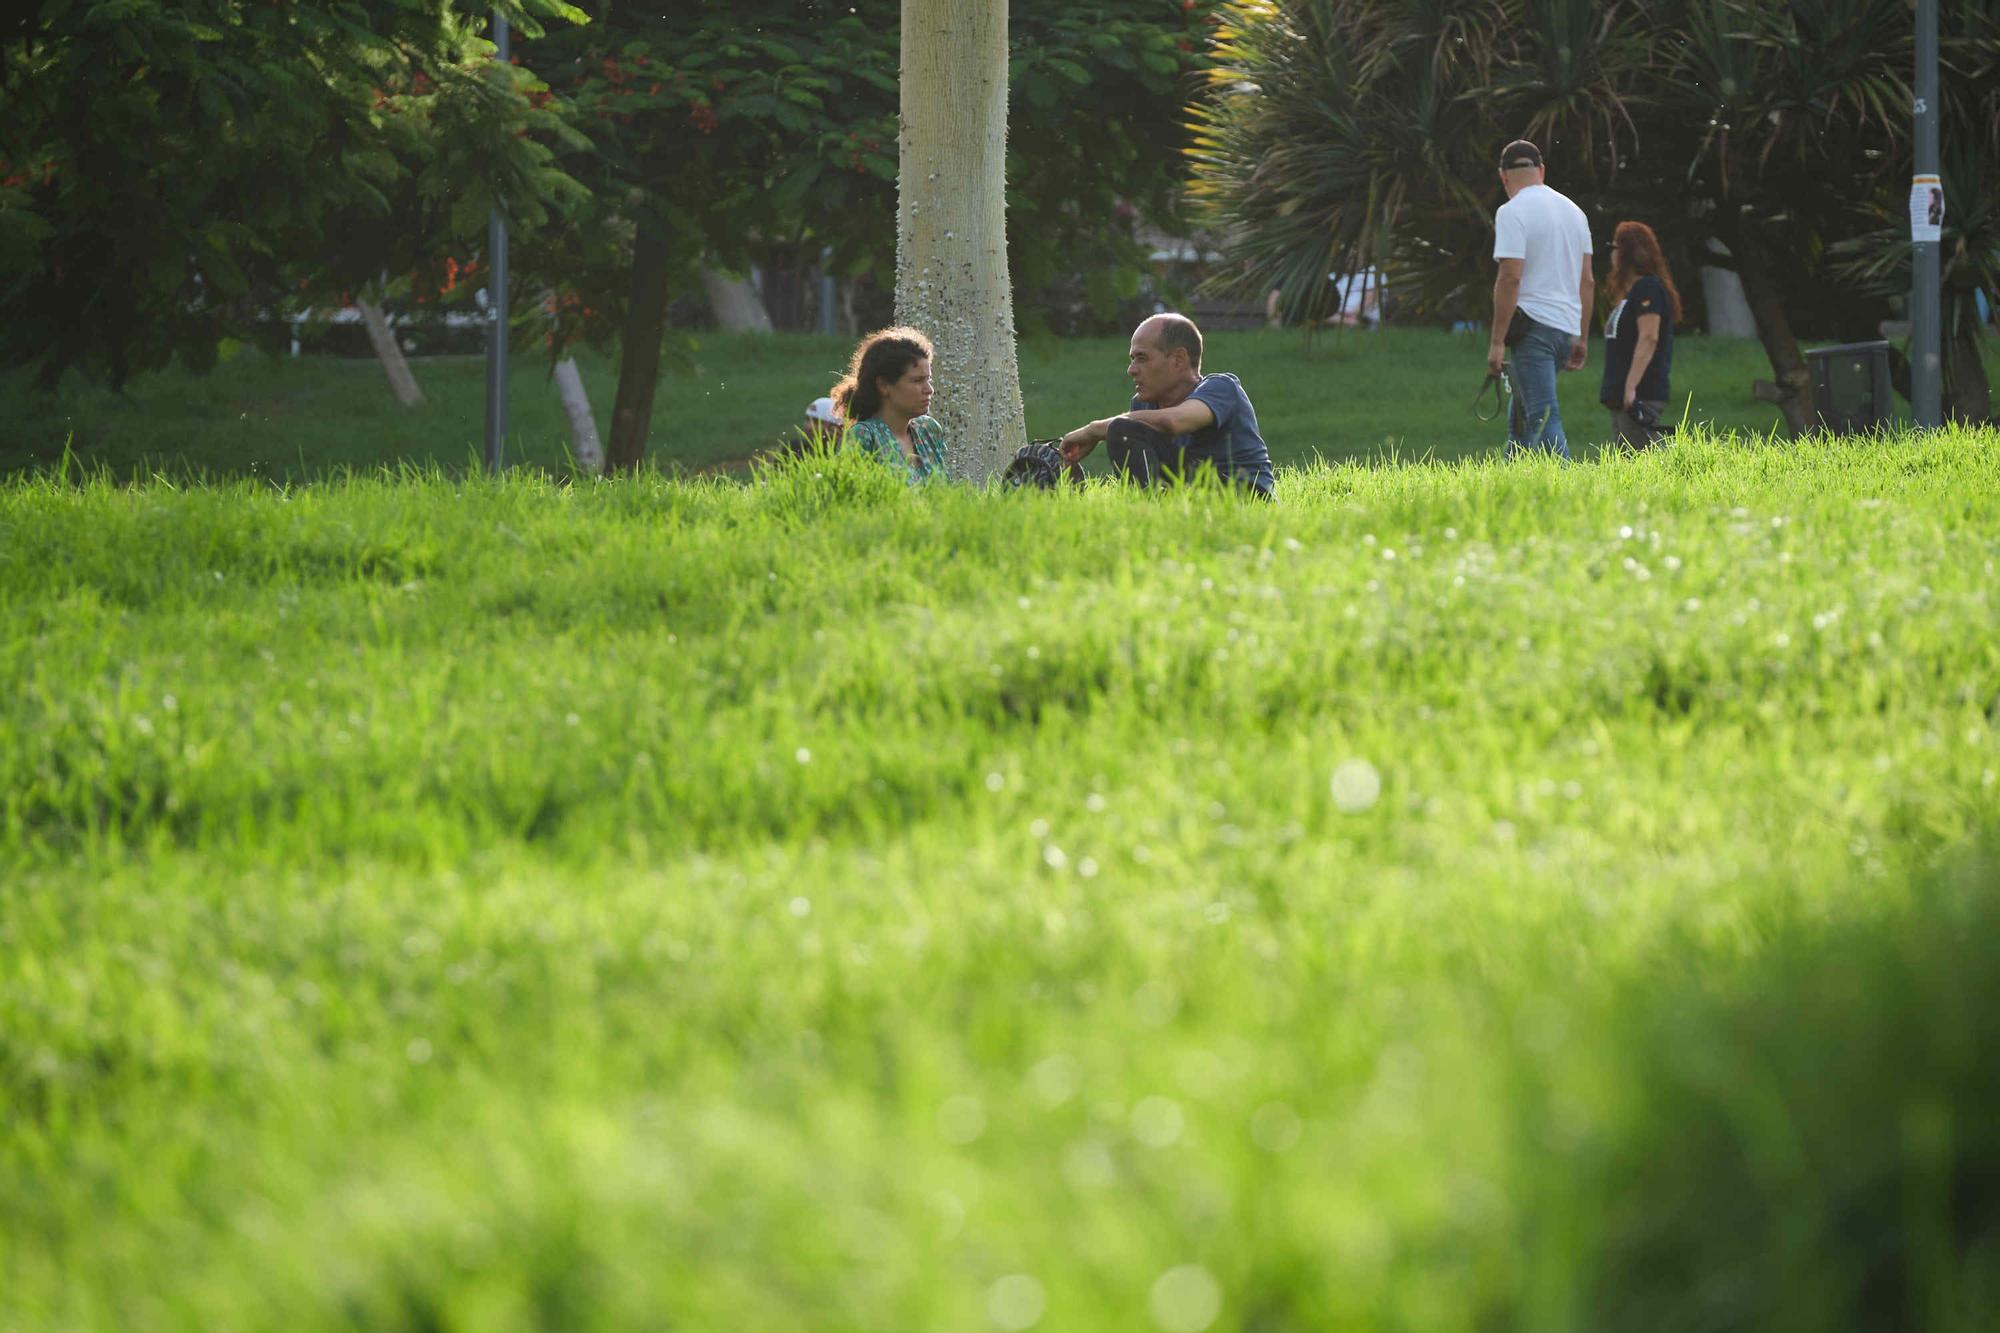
(1355, 289)
(1551, 237)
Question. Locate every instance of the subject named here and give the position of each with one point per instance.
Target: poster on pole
(1926, 209)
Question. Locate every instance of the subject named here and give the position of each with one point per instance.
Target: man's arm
(1506, 295)
(1180, 419)
(1076, 445)
(1586, 291)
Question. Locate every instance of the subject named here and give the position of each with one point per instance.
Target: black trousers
(1139, 453)
(1147, 457)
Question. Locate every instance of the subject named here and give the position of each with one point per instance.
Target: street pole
(1926, 224)
(496, 306)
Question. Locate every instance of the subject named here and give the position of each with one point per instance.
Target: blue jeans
(1535, 421)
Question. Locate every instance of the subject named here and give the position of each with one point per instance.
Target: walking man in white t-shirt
(1542, 242)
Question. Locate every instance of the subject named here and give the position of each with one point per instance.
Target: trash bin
(1851, 389)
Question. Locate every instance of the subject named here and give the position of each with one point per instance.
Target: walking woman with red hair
(1639, 336)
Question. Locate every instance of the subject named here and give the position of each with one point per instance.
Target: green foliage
(1537, 897)
(295, 153)
(1097, 122)
(767, 130)
(170, 172)
(484, 134)
(725, 126)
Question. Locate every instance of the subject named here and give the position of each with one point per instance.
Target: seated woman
(884, 397)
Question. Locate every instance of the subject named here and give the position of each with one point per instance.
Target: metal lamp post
(496, 306)
(1926, 227)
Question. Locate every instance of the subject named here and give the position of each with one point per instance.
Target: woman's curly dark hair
(886, 354)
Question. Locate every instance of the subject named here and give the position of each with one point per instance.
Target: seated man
(1181, 420)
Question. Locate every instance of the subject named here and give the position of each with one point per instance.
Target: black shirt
(1648, 296)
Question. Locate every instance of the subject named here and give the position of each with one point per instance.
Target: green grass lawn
(1406, 392)
(1473, 896)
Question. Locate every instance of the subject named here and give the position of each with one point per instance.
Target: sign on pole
(1927, 209)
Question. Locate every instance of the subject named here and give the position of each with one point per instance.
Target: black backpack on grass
(1040, 464)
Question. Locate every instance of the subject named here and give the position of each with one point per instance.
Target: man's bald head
(1168, 332)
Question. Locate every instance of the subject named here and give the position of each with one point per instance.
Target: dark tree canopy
(174, 172)
(166, 165)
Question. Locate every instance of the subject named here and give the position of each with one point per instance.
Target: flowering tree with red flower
(189, 162)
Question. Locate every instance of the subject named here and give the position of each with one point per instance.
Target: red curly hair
(1635, 253)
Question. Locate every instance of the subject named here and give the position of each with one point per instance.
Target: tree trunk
(585, 451)
(390, 353)
(639, 350)
(737, 307)
(1793, 395)
(951, 224)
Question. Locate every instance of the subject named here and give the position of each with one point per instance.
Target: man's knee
(1134, 450)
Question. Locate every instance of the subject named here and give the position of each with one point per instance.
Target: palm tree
(1348, 131)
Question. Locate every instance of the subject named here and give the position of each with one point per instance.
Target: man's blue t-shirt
(1232, 444)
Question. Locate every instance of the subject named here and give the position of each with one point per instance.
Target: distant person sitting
(884, 398)
(1181, 421)
(1360, 298)
(1359, 294)
(822, 424)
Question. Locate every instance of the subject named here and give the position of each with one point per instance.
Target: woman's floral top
(873, 435)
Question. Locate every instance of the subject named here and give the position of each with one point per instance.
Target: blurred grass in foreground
(1454, 897)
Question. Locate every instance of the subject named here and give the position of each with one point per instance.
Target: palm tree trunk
(639, 350)
(586, 452)
(1792, 392)
(737, 307)
(390, 353)
(951, 224)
